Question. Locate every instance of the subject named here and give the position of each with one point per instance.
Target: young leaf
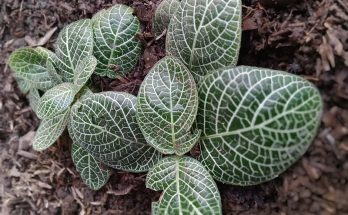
(163, 14)
(51, 56)
(105, 125)
(116, 48)
(188, 187)
(84, 70)
(205, 35)
(49, 130)
(88, 167)
(56, 79)
(255, 123)
(74, 43)
(167, 107)
(34, 98)
(56, 100)
(29, 65)
(51, 61)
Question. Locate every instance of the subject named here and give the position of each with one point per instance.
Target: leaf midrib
(259, 126)
(177, 183)
(171, 112)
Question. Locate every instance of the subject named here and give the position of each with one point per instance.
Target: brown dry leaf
(42, 41)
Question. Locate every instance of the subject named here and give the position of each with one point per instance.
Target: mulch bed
(308, 38)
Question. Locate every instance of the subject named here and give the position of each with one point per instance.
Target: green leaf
(255, 122)
(116, 48)
(56, 100)
(163, 14)
(205, 35)
(52, 60)
(84, 70)
(56, 79)
(29, 65)
(88, 167)
(187, 187)
(34, 98)
(51, 56)
(105, 125)
(49, 130)
(23, 85)
(167, 107)
(74, 43)
(85, 92)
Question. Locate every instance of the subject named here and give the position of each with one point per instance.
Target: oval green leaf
(89, 168)
(29, 65)
(56, 79)
(163, 14)
(84, 70)
(188, 187)
(167, 107)
(49, 130)
(205, 35)
(51, 56)
(116, 48)
(74, 43)
(52, 60)
(105, 125)
(56, 100)
(255, 123)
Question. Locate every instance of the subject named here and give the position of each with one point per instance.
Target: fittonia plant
(104, 45)
(250, 123)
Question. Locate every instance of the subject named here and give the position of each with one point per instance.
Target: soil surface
(306, 37)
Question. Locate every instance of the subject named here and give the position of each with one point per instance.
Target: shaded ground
(309, 38)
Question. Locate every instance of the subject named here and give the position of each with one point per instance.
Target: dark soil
(308, 38)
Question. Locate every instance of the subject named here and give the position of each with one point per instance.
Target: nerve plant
(250, 123)
(105, 45)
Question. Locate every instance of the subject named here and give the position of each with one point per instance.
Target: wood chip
(311, 171)
(44, 185)
(27, 154)
(121, 192)
(78, 192)
(96, 203)
(43, 40)
(14, 172)
(44, 171)
(25, 141)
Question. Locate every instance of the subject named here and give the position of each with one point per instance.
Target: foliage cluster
(250, 123)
